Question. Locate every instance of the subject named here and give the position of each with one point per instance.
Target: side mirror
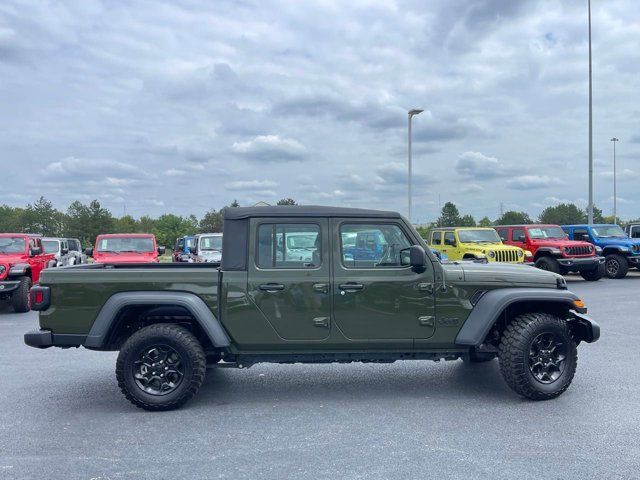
(33, 251)
(417, 257)
(88, 252)
(161, 250)
(521, 239)
(64, 251)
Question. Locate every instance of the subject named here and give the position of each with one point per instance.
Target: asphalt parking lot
(62, 415)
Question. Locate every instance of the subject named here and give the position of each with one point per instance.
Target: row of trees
(86, 221)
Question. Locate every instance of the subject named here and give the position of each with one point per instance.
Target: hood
(560, 242)
(618, 241)
(488, 246)
(125, 257)
(13, 258)
(210, 255)
(502, 273)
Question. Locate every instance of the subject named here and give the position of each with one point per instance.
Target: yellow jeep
(471, 243)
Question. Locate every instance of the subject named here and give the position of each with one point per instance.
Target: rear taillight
(40, 297)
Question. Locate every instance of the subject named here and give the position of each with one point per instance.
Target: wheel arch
(497, 307)
(125, 312)
(21, 270)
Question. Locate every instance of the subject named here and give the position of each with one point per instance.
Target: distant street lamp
(614, 140)
(590, 207)
(412, 112)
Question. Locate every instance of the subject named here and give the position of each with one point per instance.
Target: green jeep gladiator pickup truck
(340, 303)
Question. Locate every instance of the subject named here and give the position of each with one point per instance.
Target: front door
(376, 295)
(289, 276)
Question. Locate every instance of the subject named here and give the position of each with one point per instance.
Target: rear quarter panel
(78, 294)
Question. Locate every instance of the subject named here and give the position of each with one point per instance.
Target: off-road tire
(20, 297)
(515, 349)
(181, 341)
(595, 274)
(622, 266)
(549, 264)
(478, 357)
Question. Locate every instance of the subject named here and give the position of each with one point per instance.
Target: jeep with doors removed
(66, 251)
(620, 252)
(475, 243)
(125, 248)
(182, 249)
(552, 250)
(22, 259)
(170, 321)
(207, 248)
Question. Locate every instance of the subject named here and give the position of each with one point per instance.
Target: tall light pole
(412, 112)
(590, 208)
(615, 198)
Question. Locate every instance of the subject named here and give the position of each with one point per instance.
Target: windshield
(189, 241)
(12, 245)
(546, 232)
(126, 244)
(301, 241)
(211, 243)
(479, 236)
(609, 231)
(50, 246)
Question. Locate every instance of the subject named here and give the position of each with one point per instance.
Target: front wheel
(20, 298)
(160, 367)
(538, 356)
(616, 266)
(595, 274)
(549, 264)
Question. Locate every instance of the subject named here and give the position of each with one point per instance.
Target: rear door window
(436, 238)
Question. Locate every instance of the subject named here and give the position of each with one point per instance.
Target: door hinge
(321, 322)
(427, 321)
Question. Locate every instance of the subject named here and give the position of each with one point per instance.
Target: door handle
(425, 287)
(271, 287)
(427, 321)
(351, 287)
(321, 322)
(321, 287)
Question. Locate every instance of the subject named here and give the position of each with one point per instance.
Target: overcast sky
(184, 106)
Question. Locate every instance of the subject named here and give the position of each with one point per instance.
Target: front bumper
(8, 286)
(580, 263)
(584, 327)
(635, 261)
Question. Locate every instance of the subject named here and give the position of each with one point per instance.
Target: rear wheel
(538, 356)
(549, 264)
(20, 297)
(616, 266)
(160, 367)
(595, 274)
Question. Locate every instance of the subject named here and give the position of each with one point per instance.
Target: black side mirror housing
(161, 250)
(64, 251)
(33, 251)
(520, 239)
(417, 257)
(88, 252)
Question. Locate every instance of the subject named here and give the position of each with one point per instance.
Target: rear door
(376, 295)
(289, 276)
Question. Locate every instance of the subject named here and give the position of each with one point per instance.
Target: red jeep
(22, 258)
(125, 248)
(553, 251)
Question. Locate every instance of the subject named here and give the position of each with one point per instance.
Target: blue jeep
(620, 251)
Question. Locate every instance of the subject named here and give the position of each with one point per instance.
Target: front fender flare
(100, 330)
(491, 305)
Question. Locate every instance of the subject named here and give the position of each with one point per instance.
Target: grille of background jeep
(578, 250)
(507, 256)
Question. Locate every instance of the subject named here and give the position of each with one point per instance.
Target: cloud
(250, 185)
(478, 165)
(270, 148)
(531, 182)
(624, 175)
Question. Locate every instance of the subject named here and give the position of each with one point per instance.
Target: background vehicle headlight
(598, 250)
(2, 269)
(520, 253)
(492, 254)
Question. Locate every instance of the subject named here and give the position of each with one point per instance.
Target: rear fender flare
(493, 303)
(101, 328)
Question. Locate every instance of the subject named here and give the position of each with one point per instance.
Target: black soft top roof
(237, 213)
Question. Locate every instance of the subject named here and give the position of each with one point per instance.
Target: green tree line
(87, 221)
